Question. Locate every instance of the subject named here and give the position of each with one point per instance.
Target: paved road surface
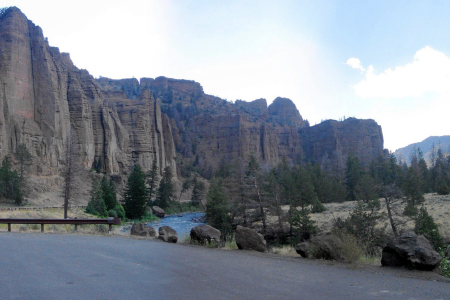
(54, 266)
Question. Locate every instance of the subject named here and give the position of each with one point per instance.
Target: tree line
(243, 192)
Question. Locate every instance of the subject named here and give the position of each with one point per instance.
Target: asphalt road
(56, 266)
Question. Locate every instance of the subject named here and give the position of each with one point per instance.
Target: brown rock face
(119, 123)
(44, 95)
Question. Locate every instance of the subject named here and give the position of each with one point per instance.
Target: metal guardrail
(76, 222)
(37, 207)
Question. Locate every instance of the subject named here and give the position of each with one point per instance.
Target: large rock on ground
(140, 229)
(167, 234)
(203, 233)
(325, 246)
(411, 251)
(158, 211)
(248, 239)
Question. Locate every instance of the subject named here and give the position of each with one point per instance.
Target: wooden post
(110, 228)
(76, 226)
(42, 227)
(9, 227)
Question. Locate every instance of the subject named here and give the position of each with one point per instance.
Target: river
(182, 225)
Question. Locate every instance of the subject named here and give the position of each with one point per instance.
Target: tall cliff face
(44, 96)
(119, 123)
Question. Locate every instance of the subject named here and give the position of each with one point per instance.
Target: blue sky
(384, 60)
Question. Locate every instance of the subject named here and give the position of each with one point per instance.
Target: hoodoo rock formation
(119, 123)
(44, 96)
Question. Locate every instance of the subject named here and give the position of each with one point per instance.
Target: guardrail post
(42, 227)
(76, 226)
(110, 228)
(9, 227)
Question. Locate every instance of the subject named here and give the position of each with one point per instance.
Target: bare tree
(71, 169)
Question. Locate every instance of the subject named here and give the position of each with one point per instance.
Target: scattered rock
(326, 246)
(167, 234)
(302, 249)
(411, 251)
(158, 211)
(139, 229)
(203, 233)
(248, 239)
(180, 215)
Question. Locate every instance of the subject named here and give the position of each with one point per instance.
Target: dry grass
(285, 250)
(438, 207)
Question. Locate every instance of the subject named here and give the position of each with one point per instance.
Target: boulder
(326, 246)
(167, 234)
(158, 211)
(248, 239)
(203, 233)
(411, 251)
(139, 229)
(149, 210)
(302, 249)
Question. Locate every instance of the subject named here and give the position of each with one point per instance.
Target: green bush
(445, 263)
(112, 213)
(425, 225)
(120, 211)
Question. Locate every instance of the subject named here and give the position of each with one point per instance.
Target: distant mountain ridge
(425, 146)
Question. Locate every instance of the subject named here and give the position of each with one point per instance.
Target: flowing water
(182, 225)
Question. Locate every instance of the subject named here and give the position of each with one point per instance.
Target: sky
(382, 60)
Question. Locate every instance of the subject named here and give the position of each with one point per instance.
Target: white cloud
(428, 72)
(355, 63)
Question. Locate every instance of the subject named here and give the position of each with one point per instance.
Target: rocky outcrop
(326, 246)
(139, 229)
(330, 142)
(411, 251)
(119, 123)
(158, 211)
(249, 239)
(168, 234)
(44, 97)
(203, 233)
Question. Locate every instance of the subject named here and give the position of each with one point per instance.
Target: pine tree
(425, 225)
(109, 193)
(218, 211)
(253, 173)
(10, 182)
(24, 159)
(164, 195)
(353, 174)
(197, 191)
(96, 205)
(135, 194)
(152, 180)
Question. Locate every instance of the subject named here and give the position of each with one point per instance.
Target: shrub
(120, 211)
(112, 213)
(351, 251)
(425, 225)
(445, 264)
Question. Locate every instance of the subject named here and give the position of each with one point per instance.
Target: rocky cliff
(119, 123)
(44, 96)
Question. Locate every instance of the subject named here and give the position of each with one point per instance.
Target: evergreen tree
(218, 211)
(425, 225)
(353, 174)
(109, 193)
(24, 159)
(10, 182)
(197, 191)
(96, 205)
(152, 180)
(135, 194)
(253, 173)
(165, 191)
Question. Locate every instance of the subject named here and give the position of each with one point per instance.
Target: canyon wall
(119, 123)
